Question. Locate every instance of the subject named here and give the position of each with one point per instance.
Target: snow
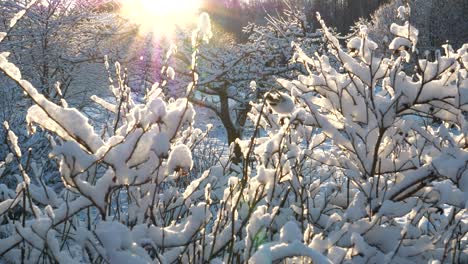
(180, 158)
(260, 219)
(290, 232)
(8, 67)
(13, 140)
(17, 17)
(180, 234)
(106, 105)
(399, 42)
(280, 103)
(9, 158)
(397, 209)
(171, 73)
(347, 164)
(403, 11)
(203, 30)
(406, 31)
(6, 205)
(270, 253)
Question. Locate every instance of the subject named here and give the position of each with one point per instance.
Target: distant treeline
(341, 14)
(439, 21)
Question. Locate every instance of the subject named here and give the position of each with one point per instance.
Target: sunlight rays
(160, 17)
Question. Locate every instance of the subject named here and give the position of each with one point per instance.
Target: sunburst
(160, 17)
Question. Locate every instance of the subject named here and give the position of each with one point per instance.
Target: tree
(226, 69)
(57, 43)
(55, 39)
(437, 22)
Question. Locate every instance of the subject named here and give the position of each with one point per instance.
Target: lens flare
(160, 17)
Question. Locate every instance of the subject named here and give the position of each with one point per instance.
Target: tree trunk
(224, 115)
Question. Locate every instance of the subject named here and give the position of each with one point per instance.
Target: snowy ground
(205, 117)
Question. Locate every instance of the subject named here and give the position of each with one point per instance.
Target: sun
(160, 17)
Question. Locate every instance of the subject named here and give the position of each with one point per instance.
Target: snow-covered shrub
(125, 198)
(358, 160)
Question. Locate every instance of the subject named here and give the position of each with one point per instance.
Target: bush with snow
(374, 156)
(365, 163)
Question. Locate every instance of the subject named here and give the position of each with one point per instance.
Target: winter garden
(341, 149)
